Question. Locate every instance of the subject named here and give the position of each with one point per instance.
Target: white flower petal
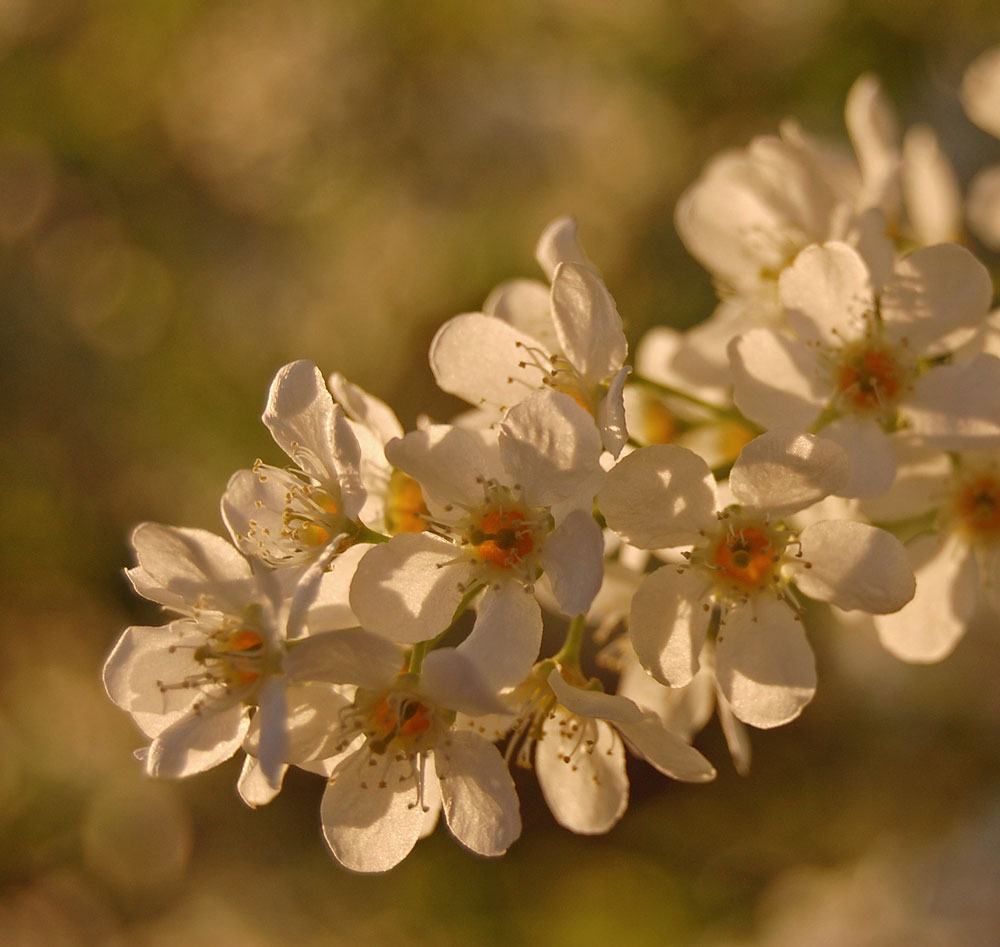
(764, 664)
(366, 409)
(178, 567)
(981, 91)
(737, 737)
(551, 448)
(930, 188)
(198, 741)
(270, 721)
(783, 471)
(559, 244)
(485, 361)
(572, 558)
(983, 206)
(668, 623)
(477, 793)
(666, 751)
(254, 788)
(446, 460)
(311, 429)
(831, 286)
(584, 783)
(853, 566)
(587, 322)
(658, 496)
(611, 414)
(506, 636)
(331, 607)
(776, 382)
(407, 590)
(932, 292)
(583, 702)
(371, 819)
(948, 586)
(957, 407)
(452, 680)
(524, 304)
(871, 454)
(874, 131)
(144, 658)
(350, 656)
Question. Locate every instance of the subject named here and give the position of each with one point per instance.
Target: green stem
(683, 395)
(366, 535)
(570, 651)
(417, 657)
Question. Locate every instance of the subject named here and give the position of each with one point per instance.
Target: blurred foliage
(193, 193)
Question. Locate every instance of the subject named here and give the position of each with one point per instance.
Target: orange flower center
(871, 378)
(399, 722)
(236, 659)
(745, 556)
(503, 537)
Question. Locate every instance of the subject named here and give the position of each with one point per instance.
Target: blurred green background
(193, 193)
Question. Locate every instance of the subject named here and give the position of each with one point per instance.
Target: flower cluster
(376, 614)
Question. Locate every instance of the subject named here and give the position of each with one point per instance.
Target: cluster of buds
(375, 615)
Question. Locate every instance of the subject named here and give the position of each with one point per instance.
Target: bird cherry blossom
(744, 559)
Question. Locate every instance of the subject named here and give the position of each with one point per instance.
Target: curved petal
(830, 285)
(371, 816)
(254, 788)
(583, 780)
(551, 448)
(312, 430)
(853, 566)
(447, 461)
(668, 623)
(451, 680)
(930, 188)
(874, 131)
(582, 702)
(871, 453)
(330, 609)
(559, 244)
(524, 304)
(957, 407)
(366, 409)
(930, 626)
(587, 322)
(783, 471)
(764, 664)
(407, 590)
(506, 636)
(198, 741)
(659, 496)
(981, 91)
(611, 414)
(180, 567)
(142, 660)
(349, 656)
(932, 292)
(572, 558)
(776, 382)
(477, 793)
(485, 361)
(666, 751)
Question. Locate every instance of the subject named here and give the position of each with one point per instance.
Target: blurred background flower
(192, 194)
